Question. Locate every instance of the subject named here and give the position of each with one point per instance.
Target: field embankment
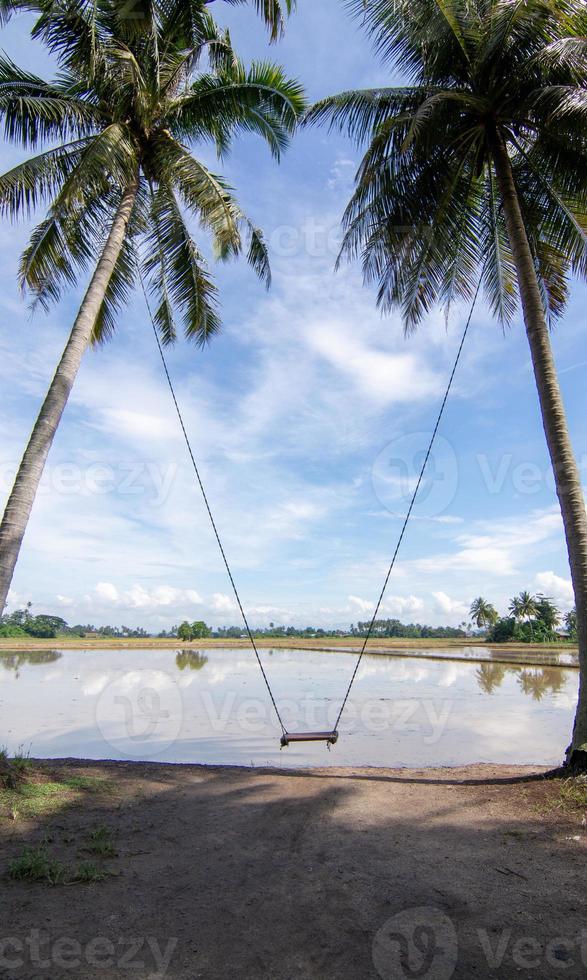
(539, 654)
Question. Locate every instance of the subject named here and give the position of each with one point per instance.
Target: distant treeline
(407, 631)
(22, 622)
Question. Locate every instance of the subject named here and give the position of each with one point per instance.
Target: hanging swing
(330, 737)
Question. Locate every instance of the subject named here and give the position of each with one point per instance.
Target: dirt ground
(316, 875)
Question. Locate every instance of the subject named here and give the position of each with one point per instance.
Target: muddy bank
(564, 654)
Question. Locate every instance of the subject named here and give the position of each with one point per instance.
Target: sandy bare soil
(319, 875)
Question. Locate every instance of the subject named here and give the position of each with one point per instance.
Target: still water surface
(211, 706)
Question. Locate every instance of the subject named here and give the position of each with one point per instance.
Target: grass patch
(88, 872)
(34, 799)
(100, 842)
(27, 790)
(570, 797)
(36, 864)
(92, 784)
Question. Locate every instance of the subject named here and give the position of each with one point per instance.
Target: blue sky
(308, 416)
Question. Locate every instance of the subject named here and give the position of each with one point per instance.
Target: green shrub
(508, 630)
(6, 630)
(35, 864)
(503, 631)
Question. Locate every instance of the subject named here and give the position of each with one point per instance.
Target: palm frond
(187, 39)
(425, 217)
(66, 243)
(446, 32)
(261, 100)
(209, 196)
(38, 179)
(362, 113)
(34, 111)
(176, 273)
(257, 254)
(273, 12)
(499, 272)
(118, 291)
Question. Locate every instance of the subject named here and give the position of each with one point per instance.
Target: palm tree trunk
(566, 473)
(30, 471)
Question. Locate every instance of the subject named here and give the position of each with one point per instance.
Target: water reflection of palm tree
(190, 659)
(14, 661)
(490, 676)
(533, 681)
(538, 681)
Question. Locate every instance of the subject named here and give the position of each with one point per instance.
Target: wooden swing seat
(330, 737)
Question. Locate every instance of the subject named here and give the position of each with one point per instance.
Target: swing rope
(207, 504)
(217, 534)
(412, 501)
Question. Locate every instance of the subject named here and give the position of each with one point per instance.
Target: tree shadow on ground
(240, 873)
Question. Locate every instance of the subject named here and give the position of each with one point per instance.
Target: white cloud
(499, 547)
(342, 174)
(381, 377)
(392, 605)
(558, 588)
(361, 605)
(223, 603)
(107, 592)
(398, 605)
(451, 607)
(138, 597)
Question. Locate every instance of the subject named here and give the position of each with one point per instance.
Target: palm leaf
(176, 273)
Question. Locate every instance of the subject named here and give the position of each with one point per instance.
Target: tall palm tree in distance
(476, 168)
(523, 606)
(483, 613)
(113, 163)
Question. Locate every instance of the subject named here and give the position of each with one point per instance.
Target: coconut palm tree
(483, 613)
(523, 607)
(112, 138)
(475, 170)
(547, 613)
